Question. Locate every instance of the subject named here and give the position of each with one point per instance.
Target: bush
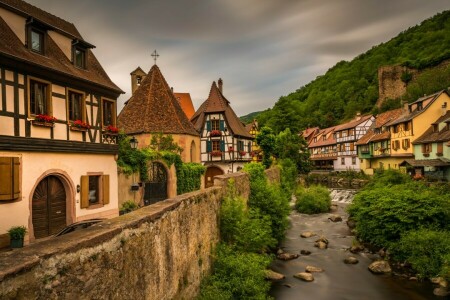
(384, 214)
(289, 175)
(237, 275)
(313, 200)
(128, 206)
(426, 250)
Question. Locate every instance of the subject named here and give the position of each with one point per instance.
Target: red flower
(80, 124)
(230, 149)
(216, 153)
(242, 153)
(215, 133)
(112, 129)
(45, 118)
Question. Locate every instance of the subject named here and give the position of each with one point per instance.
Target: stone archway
(210, 173)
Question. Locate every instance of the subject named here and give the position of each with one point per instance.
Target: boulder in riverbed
(304, 276)
(321, 245)
(351, 260)
(441, 292)
(380, 267)
(307, 234)
(335, 218)
(287, 256)
(305, 252)
(273, 276)
(312, 269)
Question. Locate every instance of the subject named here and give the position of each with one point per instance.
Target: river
(339, 280)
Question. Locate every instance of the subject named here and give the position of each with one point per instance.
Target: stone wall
(390, 84)
(160, 251)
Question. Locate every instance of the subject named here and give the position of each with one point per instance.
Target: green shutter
(208, 146)
(208, 125)
(222, 146)
(222, 125)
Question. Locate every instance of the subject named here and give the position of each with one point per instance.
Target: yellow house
(389, 148)
(253, 129)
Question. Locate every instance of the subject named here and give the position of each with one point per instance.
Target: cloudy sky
(262, 49)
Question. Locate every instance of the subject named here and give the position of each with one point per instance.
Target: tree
(266, 141)
(294, 147)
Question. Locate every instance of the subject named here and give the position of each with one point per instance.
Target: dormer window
(36, 39)
(138, 80)
(79, 57)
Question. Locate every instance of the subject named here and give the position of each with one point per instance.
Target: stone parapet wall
(273, 174)
(160, 251)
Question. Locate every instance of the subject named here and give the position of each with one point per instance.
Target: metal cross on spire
(155, 56)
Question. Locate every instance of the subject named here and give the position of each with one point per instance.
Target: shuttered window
(9, 178)
(94, 190)
(440, 148)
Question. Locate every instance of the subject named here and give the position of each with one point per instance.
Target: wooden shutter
(440, 147)
(6, 179)
(208, 146)
(15, 184)
(208, 125)
(249, 147)
(84, 194)
(222, 125)
(105, 189)
(222, 146)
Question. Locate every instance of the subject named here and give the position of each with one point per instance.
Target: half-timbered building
(347, 135)
(322, 149)
(225, 143)
(57, 124)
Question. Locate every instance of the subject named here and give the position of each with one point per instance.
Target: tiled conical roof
(153, 108)
(217, 103)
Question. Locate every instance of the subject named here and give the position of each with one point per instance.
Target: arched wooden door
(156, 186)
(49, 207)
(210, 173)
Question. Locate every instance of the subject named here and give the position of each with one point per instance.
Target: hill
(349, 87)
(249, 118)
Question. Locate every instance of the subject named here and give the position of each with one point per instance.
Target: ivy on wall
(136, 160)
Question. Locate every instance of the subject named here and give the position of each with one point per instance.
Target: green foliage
(17, 232)
(426, 250)
(189, 177)
(247, 119)
(237, 275)
(268, 199)
(392, 205)
(289, 175)
(291, 146)
(128, 206)
(313, 200)
(162, 142)
(352, 86)
(266, 141)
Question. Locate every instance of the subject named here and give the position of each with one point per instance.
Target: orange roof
(186, 103)
(387, 116)
(329, 138)
(353, 123)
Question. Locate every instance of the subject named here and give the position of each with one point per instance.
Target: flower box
(242, 153)
(42, 124)
(79, 125)
(230, 149)
(82, 129)
(215, 133)
(111, 130)
(216, 153)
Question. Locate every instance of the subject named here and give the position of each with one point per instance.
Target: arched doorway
(209, 176)
(48, 207)
(193, 152)
(156, 185)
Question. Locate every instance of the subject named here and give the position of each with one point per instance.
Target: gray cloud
(262, 49)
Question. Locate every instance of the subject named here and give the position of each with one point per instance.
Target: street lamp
(134, 143)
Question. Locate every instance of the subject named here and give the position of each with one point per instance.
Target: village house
(57, 125)
(432, 150)
(154, 109)
(309, 133)
(225, 143)
(395, 143)
(253, 129)
(346, 136)
(377, 137)
(322, 148)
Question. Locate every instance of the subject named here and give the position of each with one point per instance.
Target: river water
(339, 281)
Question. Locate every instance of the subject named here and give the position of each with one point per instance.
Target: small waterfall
(342, 195)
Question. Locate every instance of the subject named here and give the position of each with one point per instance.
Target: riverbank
(339, 280)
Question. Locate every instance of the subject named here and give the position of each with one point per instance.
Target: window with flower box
(108, 113)
(39, 97)
(75, 106)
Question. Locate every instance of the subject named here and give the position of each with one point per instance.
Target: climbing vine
(136, 160)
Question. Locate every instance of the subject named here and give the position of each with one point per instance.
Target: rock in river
(304, 276)
(380, 267)
(335, 218)
(273, 276)
(287, 256)
(351, 260)
(307, 234)
(312, 269)
(305, 252)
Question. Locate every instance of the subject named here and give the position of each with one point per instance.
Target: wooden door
(49, 207)
(210, 173)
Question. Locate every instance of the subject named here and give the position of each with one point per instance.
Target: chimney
(358, 116)
(220, 83)
(405, 107)
(171, 89)
(444, 108)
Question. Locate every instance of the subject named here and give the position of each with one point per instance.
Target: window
(75, 106)
(352, 146)
(79, 57)
(36, 40)
(9, 178)
(395, 145)
(240, 145)
(406, 126)
(39, 98)
(215, 124)
(426, 148)
(215, 145)
(353, 160)
(364, 148)
(440, 149)
(138, 80)
(249, 147)
(94, 191)
(109, 113)
(405, 144)
(342, 160)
